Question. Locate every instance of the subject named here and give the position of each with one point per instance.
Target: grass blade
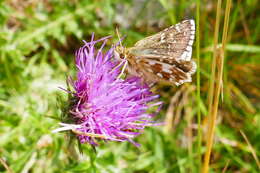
(219, 83)
(198, 81)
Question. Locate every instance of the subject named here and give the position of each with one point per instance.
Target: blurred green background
(38, 39)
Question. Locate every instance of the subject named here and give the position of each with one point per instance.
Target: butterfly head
(120, 53)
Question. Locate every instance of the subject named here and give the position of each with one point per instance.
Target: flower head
(105, 106)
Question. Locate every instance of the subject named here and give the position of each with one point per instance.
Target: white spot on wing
(160, 75)
(192, 25)
(188, 57)
(149, 70)
(190, 42)
(171, 79)
(183, 56)
(177, 27)
(162, 41)
(192, 37)
(166, 69)
(151, 62)
(194, 67)
(189, 48)
(162, 36)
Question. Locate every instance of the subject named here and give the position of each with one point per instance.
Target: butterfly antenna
(120, 43)
(124, 60)
(117, 33)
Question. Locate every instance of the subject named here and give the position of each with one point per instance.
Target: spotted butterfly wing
(165, 56)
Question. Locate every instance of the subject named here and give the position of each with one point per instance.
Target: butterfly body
(165, 56)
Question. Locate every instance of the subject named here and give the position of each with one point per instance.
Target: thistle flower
(105, 106)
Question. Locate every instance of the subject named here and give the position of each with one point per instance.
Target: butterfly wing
(174, 72)
(174, 42)
(167, 54)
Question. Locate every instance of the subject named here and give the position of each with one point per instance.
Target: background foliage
(37, 44)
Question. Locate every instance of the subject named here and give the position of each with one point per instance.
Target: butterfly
(165, 56)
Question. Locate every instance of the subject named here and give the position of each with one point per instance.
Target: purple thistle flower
(105, 106)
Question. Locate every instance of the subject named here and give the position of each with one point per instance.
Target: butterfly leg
(118, 65)
(123, 69)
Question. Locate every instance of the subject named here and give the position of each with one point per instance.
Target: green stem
(198, 80)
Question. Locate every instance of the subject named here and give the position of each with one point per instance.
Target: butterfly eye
(119, 53)
(122, 55)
